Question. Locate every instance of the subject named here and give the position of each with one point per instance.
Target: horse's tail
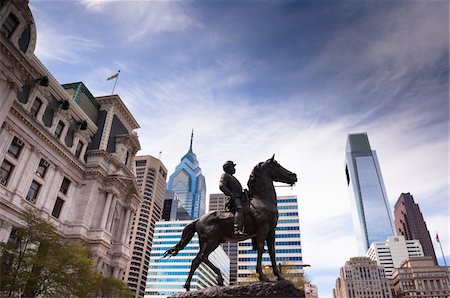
(186, 236)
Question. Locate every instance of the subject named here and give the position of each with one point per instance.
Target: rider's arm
(223, 186)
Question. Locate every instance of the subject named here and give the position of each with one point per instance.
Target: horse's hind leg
(271, 248)
(216, 271)
(195, 263)
(205, 249)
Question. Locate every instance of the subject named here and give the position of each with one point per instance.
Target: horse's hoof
(264, 278)
(188, 288)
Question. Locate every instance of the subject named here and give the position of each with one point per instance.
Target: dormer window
(10, 25)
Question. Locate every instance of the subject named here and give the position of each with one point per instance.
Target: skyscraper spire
(192, 137)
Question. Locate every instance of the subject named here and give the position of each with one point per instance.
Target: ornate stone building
(420, 277)
(63, 151)
(362, 278)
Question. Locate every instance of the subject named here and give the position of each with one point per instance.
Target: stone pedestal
(258, 289)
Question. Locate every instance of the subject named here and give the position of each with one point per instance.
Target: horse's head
(265, 173)
(279, 174)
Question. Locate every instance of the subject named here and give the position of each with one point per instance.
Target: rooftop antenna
(192, 137)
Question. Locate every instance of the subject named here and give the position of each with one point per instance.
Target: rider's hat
(228, 164)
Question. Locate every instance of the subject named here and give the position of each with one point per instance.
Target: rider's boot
(238, 224)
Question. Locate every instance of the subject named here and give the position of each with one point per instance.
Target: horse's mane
(255, 182)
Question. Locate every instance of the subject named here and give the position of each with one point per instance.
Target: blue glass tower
(188, 183)
(372, 218)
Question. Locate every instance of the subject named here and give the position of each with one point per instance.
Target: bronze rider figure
(231, 187)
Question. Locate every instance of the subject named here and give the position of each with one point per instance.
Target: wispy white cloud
(375, 75)
(56, 44)
(141, 19)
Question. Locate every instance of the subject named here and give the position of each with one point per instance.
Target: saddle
(245, 203)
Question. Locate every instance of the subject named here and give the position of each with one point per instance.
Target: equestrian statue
(258, 222)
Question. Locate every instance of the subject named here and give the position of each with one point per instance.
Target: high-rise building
(151, 177)
(393, 252)
(421, 277)
(217, 203)
(409, 223)
(173, 209)
(362, 278)
(166, 277)
(288, 246)
(372, 219)
(63, 151)
(188, 183)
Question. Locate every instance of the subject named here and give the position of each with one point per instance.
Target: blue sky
(255, 78)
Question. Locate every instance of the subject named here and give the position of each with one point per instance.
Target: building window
(79, 148)
(5, 172)
(15, 147)
(59, 129)
(42, 168)
(35, 107)
(33, 192)
(58, 207)
(64, 186)
(10, 25)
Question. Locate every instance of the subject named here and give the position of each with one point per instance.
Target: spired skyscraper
(188, 183)
(372, 218)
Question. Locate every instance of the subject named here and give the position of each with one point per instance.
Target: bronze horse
(217, 227)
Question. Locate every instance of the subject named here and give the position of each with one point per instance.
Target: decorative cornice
(118, 103)
(46, 137)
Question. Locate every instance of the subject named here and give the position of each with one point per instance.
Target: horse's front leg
(260, 246)
(271, 247)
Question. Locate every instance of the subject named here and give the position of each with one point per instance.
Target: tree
(37, 262)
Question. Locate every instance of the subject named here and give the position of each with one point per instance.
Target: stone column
(7, 97)
(111, 214)
(27, 168)
(125, 226)
(5, 230)
(52, 188)
(6, 136)
(106, 210)
(21, 173)
(107, 127)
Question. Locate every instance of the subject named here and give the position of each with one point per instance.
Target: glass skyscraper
(188, 183)
(166, 277)
(288, 246)
(372, 218)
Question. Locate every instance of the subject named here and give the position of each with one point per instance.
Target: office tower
(421, 277)
(409, 223)
(151, 178)
(217, 203)
(372, 219)
(393, 252)
(173, 209)
(188, 183)
(63, 151)
(362, 278)
(166, 277)
(288, 247)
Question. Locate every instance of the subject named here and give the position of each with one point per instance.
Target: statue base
(282, 288)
